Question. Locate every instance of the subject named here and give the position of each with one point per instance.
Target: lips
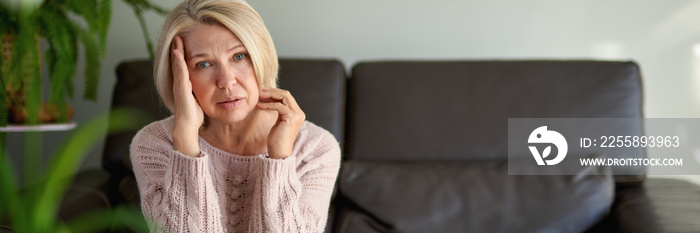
(230, 104)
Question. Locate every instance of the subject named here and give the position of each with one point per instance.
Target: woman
(237, 155)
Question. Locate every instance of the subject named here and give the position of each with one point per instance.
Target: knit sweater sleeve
(177, 192)
(293, 194)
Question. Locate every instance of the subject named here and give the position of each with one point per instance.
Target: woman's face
(222, 73)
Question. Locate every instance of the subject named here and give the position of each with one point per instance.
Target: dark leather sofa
(424, 145)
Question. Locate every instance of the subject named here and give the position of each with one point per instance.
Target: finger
(178, 60)
(176, 64)
(174, 48)
(278, 95)
(268, 97)
(276, 106)
(178, 43)
(285, 113)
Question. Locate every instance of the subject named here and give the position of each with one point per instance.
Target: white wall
(659, 35)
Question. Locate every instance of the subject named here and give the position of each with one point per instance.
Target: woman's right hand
(188, 114)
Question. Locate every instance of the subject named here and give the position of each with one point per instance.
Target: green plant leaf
(161, 11)
(6, 19)
(105, 17)
(118, 218)
(69, 88)
(59, 71)
(23, 44)
(32, 87)
(64, 163)
(88, 9)
(139, 7)
(63, 33)
(55, 75)
(60, 33)
(10, 203)
(91, 47)
(146, 35)
(92, 66)
(29, 73)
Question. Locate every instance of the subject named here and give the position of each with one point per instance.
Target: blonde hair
(237, 16)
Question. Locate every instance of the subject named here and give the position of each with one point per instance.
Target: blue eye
(203, 64)
(239, 56)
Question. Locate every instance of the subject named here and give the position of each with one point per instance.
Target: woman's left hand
(280, 141)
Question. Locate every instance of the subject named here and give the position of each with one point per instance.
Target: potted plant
(60, 23)
(25, 22)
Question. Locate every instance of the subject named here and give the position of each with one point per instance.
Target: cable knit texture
(224, 192)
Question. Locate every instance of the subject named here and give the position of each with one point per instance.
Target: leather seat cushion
(471, 197)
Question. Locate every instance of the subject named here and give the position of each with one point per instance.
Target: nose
(226, 77)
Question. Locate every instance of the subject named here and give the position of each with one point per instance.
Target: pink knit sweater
(223, 192)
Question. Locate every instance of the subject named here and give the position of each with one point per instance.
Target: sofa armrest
(658, 205)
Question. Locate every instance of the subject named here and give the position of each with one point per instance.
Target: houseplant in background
(65, 25)
(25, 22)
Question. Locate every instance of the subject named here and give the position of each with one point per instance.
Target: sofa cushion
(470, 197)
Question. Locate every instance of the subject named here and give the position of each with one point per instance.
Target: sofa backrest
(133, 89)
(458, 110)
(319, 88)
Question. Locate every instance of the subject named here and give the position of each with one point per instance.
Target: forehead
(210, 37)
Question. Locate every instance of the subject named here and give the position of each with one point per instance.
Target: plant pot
(48, 113)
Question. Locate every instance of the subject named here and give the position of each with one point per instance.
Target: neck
(245, 137)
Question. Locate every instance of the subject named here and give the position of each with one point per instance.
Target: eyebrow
(204, 54)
